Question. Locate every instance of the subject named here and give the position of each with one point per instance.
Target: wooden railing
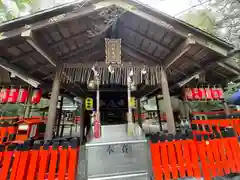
(56, 160)
(180, 156)
(215, 126)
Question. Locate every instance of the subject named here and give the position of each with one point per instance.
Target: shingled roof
(74, 33)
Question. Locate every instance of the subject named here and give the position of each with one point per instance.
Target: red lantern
(22, 95)
(36, 97)
(13, 95)
(220, 93)
(188, 94)
(202, 93)
(208, 94)
(196, 94)
(215, 94)
(4, 94)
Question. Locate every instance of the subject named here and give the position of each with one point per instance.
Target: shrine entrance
(113, 108)
(115, 52)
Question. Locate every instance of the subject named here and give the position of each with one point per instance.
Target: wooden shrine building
(68, 46)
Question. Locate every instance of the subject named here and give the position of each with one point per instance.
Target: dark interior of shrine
(113, 107)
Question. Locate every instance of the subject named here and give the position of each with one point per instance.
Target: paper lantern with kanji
(13, 95)
(208, 93)
(215, 94)
(22, 95)
(4, 94)
(36, 97)
(220, 93)
(188, 94)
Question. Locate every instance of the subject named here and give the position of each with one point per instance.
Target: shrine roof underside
(73, 36)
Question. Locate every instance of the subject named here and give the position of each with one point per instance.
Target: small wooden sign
(89, 104)
(113, 51)
(202, 94)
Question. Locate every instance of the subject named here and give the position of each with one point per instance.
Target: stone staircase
(118, 158)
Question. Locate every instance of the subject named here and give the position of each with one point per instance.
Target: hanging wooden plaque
(113, 51)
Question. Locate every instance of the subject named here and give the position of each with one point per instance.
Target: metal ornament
(92, 84)
(113, 51)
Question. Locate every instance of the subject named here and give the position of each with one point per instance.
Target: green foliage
(10, 9)
(202, 19)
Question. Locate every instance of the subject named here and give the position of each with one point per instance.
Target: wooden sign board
(203, 94)
(113, 51)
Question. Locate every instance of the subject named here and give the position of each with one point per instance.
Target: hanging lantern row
(203, 94)
(19, 95)
(112, 75)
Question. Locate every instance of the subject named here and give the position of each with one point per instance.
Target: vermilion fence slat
(63, 162)
(236, 153)
(180, 160)
(172, 159)
(156, 161)
(17, 155)
(44, 157)
(33, 165)
(216, 155)
(211, 160)
(220, 147)
(72, 162)
(231, 163)
(187, 158)
(203, 158)
(53, 162)
(194, 159)
(6, 164)
(23, 164)
(164, 157)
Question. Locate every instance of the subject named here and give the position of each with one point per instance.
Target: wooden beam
(141, 53)
(178, 71)
(19, 72)
(22, 57)
(170, 24)
(131, 59)
(232, 64)
(86, 9)
(225, 66)
(31, 40)
(82, 53)
(65, 40)
(179, 52)
(48, 76)
(38, 67)
(188, 79)
(132, 52)
(165, 48)
(136, 8)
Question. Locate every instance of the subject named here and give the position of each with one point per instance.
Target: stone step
(122, 176)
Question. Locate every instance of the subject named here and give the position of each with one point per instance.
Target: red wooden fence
(179, 157)
(206, 126)
(58, 161)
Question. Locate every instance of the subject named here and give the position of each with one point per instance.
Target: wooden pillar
(226, 109)
(158, 113)
(139, 113)
(59, 116)
(82, 119)
(52, 107)
(28, 105)
(167, 103)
